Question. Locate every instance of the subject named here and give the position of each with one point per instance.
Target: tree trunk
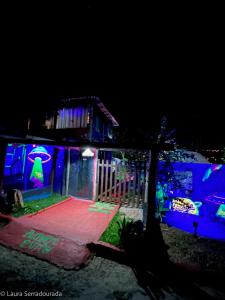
(151, 205)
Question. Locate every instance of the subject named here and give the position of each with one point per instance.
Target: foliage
(131, 155)
(115, 229)
(124, 225)
(167, 180)
(34, 206)
(166, 177)
(165, 135)
(132, 235)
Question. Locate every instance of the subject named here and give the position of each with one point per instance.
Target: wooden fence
(122, 183)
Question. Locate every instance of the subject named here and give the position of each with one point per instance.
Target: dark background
(143, 62)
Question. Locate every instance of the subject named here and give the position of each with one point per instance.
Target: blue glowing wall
(59, 170)
(193, 192)
(42, 168)
(81, 174)
(15, 161)
(190, 180)
(27, 166)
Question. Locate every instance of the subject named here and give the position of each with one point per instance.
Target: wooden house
(62, 154)
(66, 167)
(77, 119)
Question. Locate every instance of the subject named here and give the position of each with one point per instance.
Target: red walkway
(59, 233)
(71, 219)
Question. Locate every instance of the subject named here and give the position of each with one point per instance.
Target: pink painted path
(71, 219)
(59, 233)
(62, 252)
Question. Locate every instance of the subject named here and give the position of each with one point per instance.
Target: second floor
(81, 119)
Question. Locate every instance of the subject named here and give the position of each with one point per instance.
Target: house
(77, 119)
(66, 154)
(53, 157)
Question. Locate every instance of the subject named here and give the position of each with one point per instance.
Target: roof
(95, 100)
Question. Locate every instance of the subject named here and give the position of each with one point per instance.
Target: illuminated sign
(185, 205)
(221, 211)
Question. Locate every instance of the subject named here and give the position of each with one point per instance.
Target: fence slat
(110, 181)
(115, 182)
(101, 181)
(97, 180)
(121, 183)
(106, 181)
(120, 180)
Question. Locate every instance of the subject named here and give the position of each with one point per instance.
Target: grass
(112, 233)
(102, 207)
(36, 205)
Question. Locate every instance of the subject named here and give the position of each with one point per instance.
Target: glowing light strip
(210, 170)
(214, 201)
(43, 161)
(219, 197)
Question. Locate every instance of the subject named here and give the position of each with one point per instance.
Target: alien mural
(38, 156)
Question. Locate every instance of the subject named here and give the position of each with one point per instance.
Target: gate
(121, 182)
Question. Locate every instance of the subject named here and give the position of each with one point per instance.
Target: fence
(122, 183)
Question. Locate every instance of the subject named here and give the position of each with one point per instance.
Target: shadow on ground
(147, 254)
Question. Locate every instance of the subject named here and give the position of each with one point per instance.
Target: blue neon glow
(196, 196)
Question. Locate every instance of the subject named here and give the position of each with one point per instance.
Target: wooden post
(52, 176)
(106, 181)
(68, 172)
(151, 205)
(95, 175)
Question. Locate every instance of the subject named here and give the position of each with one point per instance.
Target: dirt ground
(203, 258)
(100, 279)
(106, 279)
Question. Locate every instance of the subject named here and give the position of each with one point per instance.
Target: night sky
(142, 63)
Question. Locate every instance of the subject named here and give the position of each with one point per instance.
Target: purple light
(216, 198)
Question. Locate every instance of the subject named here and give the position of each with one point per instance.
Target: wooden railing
(122, 183)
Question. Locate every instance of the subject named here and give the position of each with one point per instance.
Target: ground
(101, 279)
(203, 258)
(106, 279)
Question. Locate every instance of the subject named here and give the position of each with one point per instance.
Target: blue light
(204, 186)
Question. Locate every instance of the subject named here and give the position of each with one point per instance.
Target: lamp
(87, 153)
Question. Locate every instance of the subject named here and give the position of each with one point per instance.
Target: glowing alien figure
(210, 170)
(38, 156)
